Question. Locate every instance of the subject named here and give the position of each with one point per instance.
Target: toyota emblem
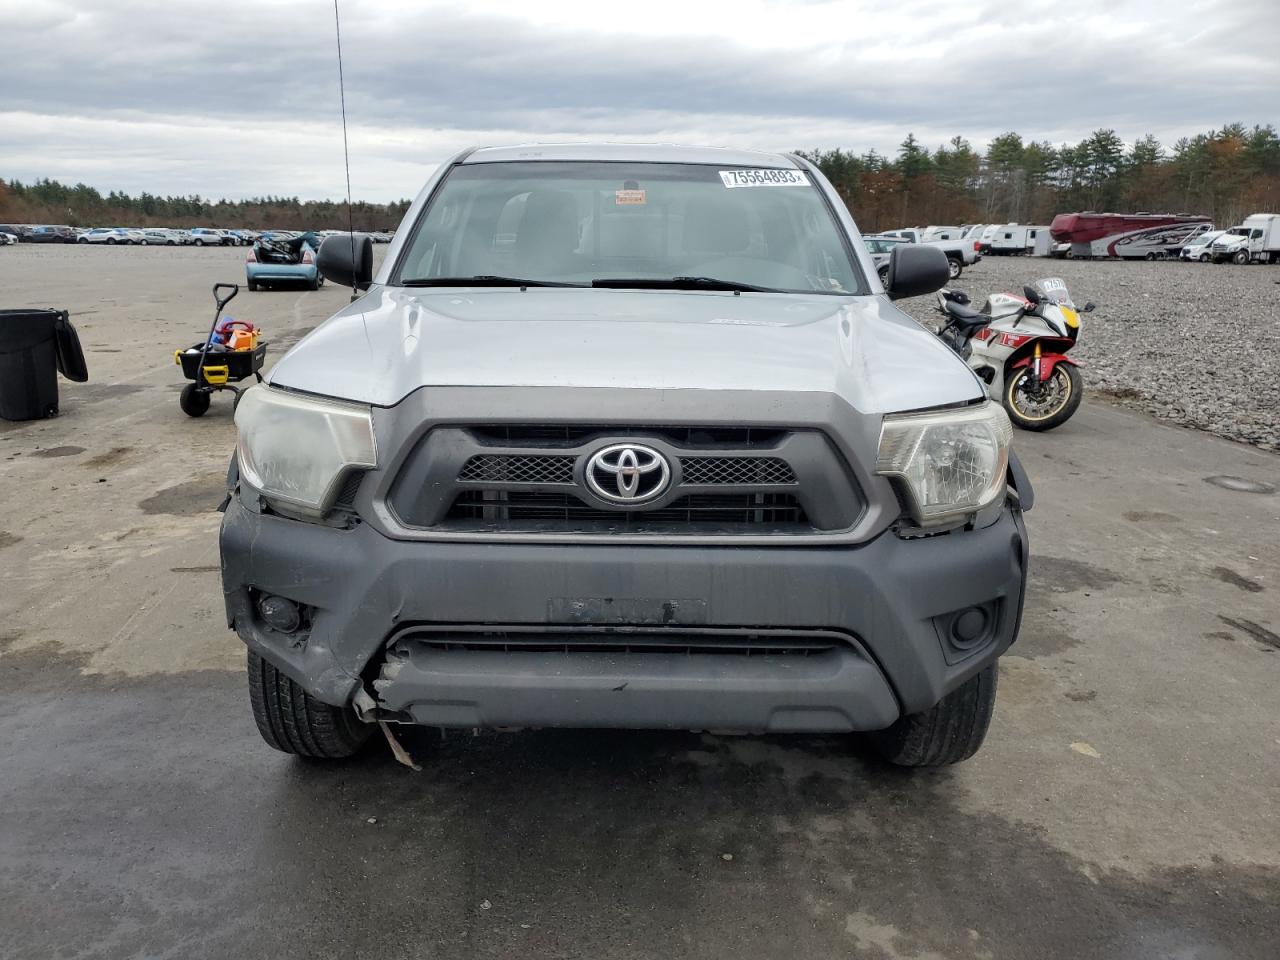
(628, 473)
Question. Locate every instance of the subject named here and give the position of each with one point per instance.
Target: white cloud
(240, 97)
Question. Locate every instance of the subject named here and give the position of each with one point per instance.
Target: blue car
(272, 262)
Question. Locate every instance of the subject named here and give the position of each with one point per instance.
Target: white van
(1199, 248)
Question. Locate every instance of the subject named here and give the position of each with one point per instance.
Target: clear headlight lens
(949, 462)
(295, 449)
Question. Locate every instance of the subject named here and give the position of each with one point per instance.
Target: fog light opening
(969, 628)
(279, 613)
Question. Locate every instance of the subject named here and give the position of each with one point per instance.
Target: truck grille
(558, 469)
(499, 479)
(503, 507)
(738, 471)
(504, 468)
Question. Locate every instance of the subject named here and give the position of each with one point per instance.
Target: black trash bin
(35, 346)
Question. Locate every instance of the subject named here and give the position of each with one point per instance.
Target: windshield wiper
(680, 283)
(483, 280)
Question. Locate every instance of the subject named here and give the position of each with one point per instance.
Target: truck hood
(393, 340)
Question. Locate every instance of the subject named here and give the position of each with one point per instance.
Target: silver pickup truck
(960, 253)
(623, 436)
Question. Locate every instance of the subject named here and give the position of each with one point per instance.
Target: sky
(228, 98)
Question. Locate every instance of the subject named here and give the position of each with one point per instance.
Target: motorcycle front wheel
(1043, 406)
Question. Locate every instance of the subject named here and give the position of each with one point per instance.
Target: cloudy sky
(228, 98)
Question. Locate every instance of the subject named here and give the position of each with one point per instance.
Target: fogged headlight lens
(950, 462)
(295, 449)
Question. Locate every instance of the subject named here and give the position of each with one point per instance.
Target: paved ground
(1125, 805)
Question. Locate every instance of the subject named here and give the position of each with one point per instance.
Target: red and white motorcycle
(1017, 345)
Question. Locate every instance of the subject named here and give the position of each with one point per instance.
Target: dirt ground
(1126, 804)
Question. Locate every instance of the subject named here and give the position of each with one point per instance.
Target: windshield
(582, 222)
(1052, 290)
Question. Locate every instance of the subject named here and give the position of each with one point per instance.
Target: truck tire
(1241, 257)
(948, 732)
(293, 721)
(955, 266)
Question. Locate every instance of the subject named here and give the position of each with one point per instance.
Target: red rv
(1132, 236)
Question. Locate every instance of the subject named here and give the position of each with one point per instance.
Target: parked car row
(31, 233)
(151, 236)
(377, 236)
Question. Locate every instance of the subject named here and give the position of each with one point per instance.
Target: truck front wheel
(955, 267)
(950, 731)
(293, 721)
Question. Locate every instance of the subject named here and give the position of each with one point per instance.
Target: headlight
(295, 449)
(949, 462)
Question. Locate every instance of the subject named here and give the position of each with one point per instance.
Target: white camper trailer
(1010, 240)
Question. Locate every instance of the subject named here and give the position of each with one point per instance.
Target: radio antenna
(346, 151)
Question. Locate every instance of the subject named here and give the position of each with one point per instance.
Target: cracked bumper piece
(678, 637)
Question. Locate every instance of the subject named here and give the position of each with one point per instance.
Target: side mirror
(1089, 307)
(1030, 294)
(342, 261)
(915, 270)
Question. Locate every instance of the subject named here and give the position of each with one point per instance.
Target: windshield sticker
(628, 197)
(764, 178)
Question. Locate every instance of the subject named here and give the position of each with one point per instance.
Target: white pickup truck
(960, 253)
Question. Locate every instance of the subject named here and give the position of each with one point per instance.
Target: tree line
(48, 201)
(1223, 174)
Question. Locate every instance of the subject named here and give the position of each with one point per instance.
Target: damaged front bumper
(746, 638)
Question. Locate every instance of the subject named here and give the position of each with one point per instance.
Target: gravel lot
(1194, 343)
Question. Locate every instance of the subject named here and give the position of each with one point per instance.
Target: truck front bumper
(744, 638)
